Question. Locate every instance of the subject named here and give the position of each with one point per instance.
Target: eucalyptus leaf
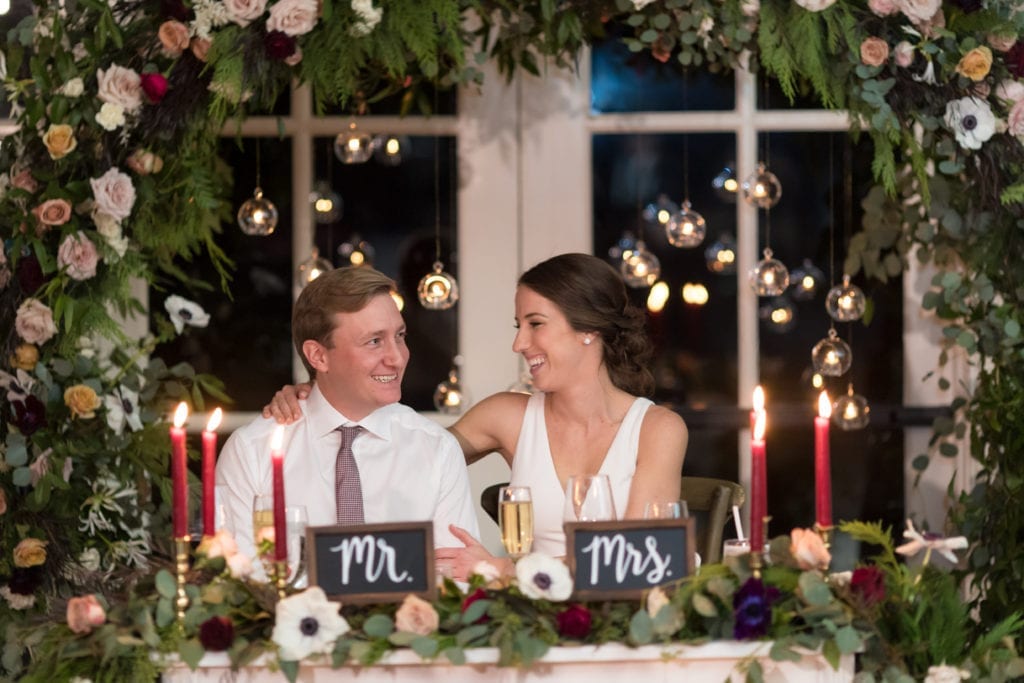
(379, 626)
(704, 606)
(641, 628)
(166, 585)
(425, 647)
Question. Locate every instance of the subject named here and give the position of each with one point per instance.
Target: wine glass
(515, 515)
(588, 498)
(666, 509)
(296, 521)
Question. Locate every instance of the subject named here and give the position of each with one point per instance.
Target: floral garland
(113, 175)
(908, 624)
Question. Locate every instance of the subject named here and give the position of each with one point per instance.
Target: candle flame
(277, 439)
(180, 415)
(214, 421)
(760, 425)
(758, 399)
(824, 405)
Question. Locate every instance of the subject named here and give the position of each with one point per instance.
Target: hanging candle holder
(640, 267)
(686, 228)
(391, 150)
(357, 251)
(659, 212)
(720, 256)
(257, 215)
(353, 146)
(851, 411)
(779, 314)
(762, 188)
(806, 280)
(725, 184)
(831, 356)
(327, 204)
(769, 277)
(846, 302)
(450, 397)
(438, 290)
(311, 268)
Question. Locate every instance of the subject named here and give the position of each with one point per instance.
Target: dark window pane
(248, 341)
(771, 96)
(622, 81)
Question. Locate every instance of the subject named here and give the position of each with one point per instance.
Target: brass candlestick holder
(181, 554)
(825, 532)
(280, 577)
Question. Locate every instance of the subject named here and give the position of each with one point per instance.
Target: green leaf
(17, 453)
(424, 646)
(476, 610)
(848, 640)
(456, 656)
(379, 626)
(467, 635)
(641, 628)
(704, 606)
(402, 638)
(191, 652)
(166, 585)
(814, 589)
(290, 669)
(22, 477)
(920, 463)
(1011, 329)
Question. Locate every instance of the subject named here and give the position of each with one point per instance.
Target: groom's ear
(316, 354)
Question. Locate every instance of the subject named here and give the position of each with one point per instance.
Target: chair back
(489, 500)
(710, 501)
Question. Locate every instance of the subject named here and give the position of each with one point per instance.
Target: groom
(357, 455)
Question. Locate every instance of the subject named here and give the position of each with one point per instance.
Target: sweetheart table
(609, 663)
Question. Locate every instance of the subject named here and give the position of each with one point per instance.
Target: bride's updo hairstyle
(593, 298)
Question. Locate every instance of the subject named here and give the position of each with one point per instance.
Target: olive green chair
(710, 501)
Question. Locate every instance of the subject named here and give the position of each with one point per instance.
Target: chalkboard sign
(367, 563)
(623, 559)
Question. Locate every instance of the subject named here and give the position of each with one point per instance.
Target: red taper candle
(758, 484)
(822, 464)
(280, 524)
(209, 472)
(179, 473)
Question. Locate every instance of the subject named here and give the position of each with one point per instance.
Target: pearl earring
(587, 340)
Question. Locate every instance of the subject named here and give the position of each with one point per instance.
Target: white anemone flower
(123, 408)
(306, 623)
(542, 577)
(184, 312)
(946, 674)
(971, 121)
(930, 542)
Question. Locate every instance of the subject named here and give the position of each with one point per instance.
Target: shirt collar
(324, 418)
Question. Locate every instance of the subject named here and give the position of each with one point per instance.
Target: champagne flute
(666, 509)
(515, 515)
(296, 521)
(588, 498)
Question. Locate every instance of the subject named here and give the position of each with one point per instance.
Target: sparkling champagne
(262, 519)
(516, 527)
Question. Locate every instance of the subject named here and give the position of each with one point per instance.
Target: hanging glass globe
(327, 204)
(779, 314)
(257, 216)
(725, 184)
(353, 146)
(845, 302)
(807, 280)
(770, 276)
(721, 255)
(524, 385)
(761, 188)
(438, 291)
(449, 397)
(659, 212)
(640, 267)
(831, 356)
(626, 243)
(311, 268)
(391, 150)
(357, 251)
(851, 411)
(686, 228)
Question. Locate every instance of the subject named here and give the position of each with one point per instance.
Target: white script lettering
(626, 559)
(373, 554)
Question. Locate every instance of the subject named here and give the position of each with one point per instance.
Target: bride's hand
(284, 407)
(458, 563)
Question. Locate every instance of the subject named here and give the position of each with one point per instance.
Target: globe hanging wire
(846, 302)
(769, 277)
(438, 290)
(686, 228)
(831, 356)
(851, 411)
(257, 215)
(761, 188)
(640, 267)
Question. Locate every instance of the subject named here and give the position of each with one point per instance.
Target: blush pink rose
(85, 613)
(919, 11)
(416, 615)
(292, 17)
(78, 254)
(121, 86)
(173, 37)
(53, 212)
(874, 51)
(1001, 42)
(34, 321)
(903, 54)
(809, 550)
(114, 193)
(1015, 120)
(882, 8)
(294, 58)
(200, 48)
(242, 12)
(1010, 92)
(144, 162)
(23, 180)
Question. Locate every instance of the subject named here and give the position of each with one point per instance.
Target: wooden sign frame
(631, 531)
(422, 533)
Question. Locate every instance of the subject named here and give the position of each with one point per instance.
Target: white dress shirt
(411, 469)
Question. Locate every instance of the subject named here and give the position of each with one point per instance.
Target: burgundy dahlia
(279, 45)
(30, 274)
(155, 87)
(868, 583)
(574, 621)
(29, 414)
(1015, 59)
(216, 634)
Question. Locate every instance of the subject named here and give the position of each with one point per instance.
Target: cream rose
(976, 64)
(1015, 121)
(34, 321)
(118, 85)
(53, 212)
(815, 5)
(82, 401)
(114, 193)
(25, 357)
(78, 254)
(903, 54)
(292, 17)
(809, 550)
(416, 615)
(173, 37)
(85, 613)
(1001, 42)
(110, 116)
(59, 140)
(30, 552)
(882, 8)
(73, 88)
(919, 11)
(242, 12)
(144, 162)
(874, 51)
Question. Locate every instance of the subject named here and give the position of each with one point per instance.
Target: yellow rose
(60, 140)
(25, 357)
(976, 64)
(82, 401)
(31, 552)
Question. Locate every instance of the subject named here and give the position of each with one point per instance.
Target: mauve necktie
(348, 490)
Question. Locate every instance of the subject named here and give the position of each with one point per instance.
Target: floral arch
(113, 175)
